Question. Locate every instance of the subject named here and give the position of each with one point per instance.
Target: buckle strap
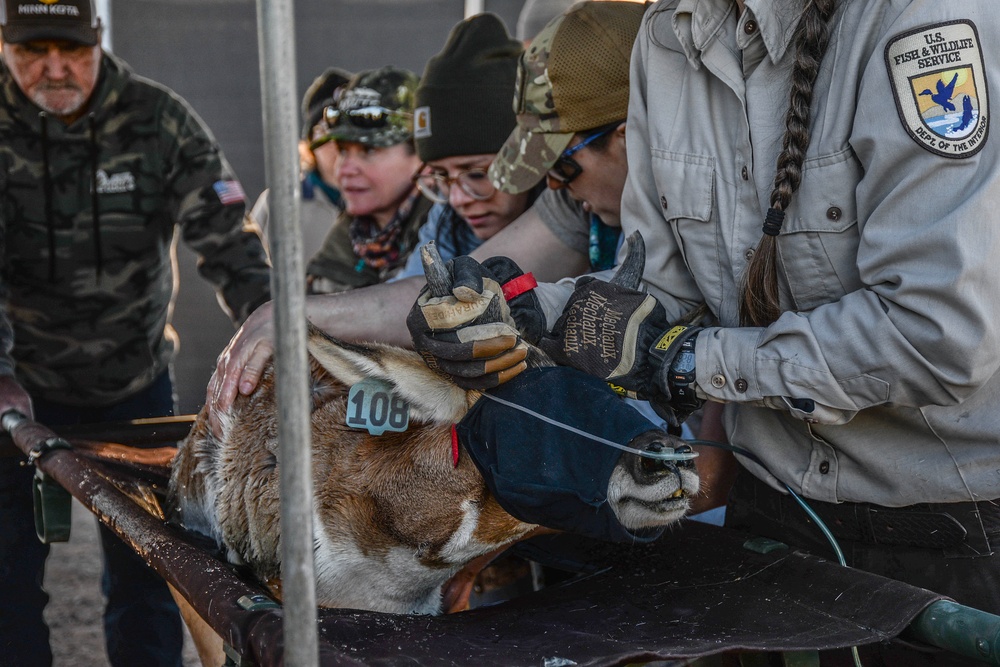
(46, 446)
(901, 527)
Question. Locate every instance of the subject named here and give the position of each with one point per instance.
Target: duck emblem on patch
(939, 84)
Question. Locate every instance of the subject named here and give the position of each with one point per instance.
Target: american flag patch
(230, 192)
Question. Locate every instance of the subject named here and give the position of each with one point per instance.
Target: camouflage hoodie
(87, 219)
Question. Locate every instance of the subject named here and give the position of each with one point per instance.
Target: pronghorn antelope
(394, 514)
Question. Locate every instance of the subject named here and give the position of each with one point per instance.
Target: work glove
(606, 330)
(463, 325)
(619, 333)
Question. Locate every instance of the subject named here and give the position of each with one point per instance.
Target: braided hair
(760, 303)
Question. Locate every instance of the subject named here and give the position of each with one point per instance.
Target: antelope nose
(684, 449)
(651, 466)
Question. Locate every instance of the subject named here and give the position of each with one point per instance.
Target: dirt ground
(73, 581)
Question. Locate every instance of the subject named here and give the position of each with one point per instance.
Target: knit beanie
(463, 103)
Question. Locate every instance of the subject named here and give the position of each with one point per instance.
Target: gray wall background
(206, 51)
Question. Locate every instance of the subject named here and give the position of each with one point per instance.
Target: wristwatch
(681, 377)
(675, 351)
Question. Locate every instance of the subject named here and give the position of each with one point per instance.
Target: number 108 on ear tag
(372, 405)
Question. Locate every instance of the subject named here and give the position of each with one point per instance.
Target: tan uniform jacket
(890, 250)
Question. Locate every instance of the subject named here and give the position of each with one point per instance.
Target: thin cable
(802, 503)
(670, 455)
(667, 454)
(822, 526)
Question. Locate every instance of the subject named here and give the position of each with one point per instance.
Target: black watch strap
(681, 376)
(675, 352)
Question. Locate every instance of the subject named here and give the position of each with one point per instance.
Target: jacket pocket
(820, 237)
(685, 185)
(685, 188)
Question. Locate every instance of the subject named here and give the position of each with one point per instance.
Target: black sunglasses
(565, 169)
(366, 118)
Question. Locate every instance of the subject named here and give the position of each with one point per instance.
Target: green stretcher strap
(53, 509)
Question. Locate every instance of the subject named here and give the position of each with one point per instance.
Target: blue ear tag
(372, 405)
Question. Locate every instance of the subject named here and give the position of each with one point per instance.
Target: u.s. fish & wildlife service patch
(939, 83)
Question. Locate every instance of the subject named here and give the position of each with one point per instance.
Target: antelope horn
(438, 278)
(629, 274)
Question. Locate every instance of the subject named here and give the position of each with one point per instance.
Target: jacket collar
(697, 23)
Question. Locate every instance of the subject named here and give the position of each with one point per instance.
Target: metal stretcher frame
(699, 591)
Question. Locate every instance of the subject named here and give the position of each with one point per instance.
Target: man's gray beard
(74, 104)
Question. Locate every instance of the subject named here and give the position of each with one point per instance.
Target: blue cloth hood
(543, 474)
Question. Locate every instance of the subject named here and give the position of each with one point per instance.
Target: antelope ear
(432, 398)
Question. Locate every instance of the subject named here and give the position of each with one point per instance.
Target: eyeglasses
(565, 169)
(473, 182)
(366, 118)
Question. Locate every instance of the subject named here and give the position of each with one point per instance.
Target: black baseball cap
(30, 20)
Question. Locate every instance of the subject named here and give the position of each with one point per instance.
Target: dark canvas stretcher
(697, 591)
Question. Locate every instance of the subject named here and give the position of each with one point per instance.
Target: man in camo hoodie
(98, 170)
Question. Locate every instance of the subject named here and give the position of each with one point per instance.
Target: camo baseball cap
(30, 20)
(573, 77)
(375, 108)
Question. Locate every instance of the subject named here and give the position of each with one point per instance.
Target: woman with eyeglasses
(371, 128)
(570, 136)
(462, 117)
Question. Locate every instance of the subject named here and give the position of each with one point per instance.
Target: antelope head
(398, 507)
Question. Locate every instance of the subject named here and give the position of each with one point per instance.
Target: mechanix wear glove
(619, 333)
(465, 327)
(607, 330)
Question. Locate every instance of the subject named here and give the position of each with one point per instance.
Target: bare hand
(14, 397)
(241, 364)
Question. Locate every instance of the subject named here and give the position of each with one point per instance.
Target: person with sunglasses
(371, 126)
(570, 135)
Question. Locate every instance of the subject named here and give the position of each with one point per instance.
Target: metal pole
(276, 37)
(104, 11)
(473, 7)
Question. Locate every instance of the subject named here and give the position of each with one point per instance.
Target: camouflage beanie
(318, 96)
(375, 108)
(463, 101)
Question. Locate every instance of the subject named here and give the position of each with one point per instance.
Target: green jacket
(88, 214)
(339, 268)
